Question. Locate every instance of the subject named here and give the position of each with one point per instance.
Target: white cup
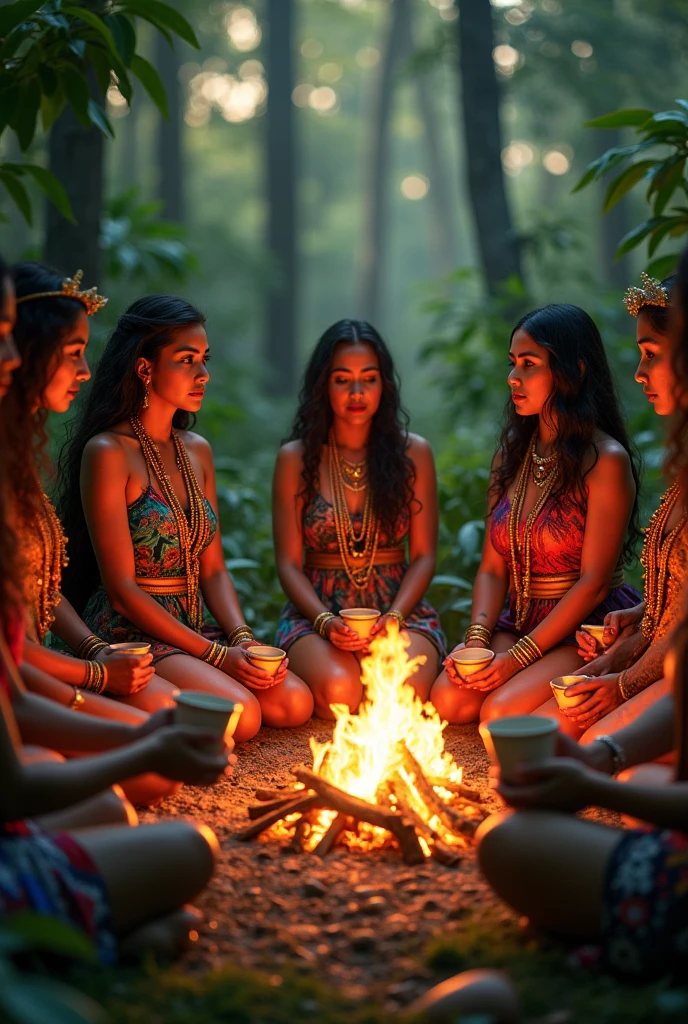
(361, 620)
(596, 632)
(216, 715)
(138, 647)
(469, 660)
(266, 658)
(559, 686)
(521, 739)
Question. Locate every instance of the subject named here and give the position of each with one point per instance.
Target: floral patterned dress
(556, 548)
(336, 591)
(157, 554)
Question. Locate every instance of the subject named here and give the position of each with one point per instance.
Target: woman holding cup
(561, 498)
(352, 487)
(627, 677)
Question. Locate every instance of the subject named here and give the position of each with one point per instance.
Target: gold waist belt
(550, 588)
(333, 560)
(170, 586)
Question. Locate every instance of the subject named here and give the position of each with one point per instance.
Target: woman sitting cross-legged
(146, 557)
(351, 488)
(561, 497)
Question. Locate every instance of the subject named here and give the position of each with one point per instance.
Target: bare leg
(110, 807)
(287, 705)
(152, 871)
(456, 704)
(627, 712)
(550, 709)
(530, 688)
(333, 676)
(189, 673)
(101, 707)
(526, 856)
(423, 679)
(157, 694)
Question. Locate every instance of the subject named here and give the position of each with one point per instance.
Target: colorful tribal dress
(556, 549)
(155, 538)
(335, 590)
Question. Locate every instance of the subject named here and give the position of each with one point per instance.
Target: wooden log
(440, 851)
(452, 819)
(444, 854)
(276, 794)
(296, 843)
(258, 810)
(299, 804)
(459, 788)
(340, 823)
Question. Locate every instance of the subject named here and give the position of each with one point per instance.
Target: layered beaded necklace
(521, 550)
(47, 557)
(354, 474)
(542, 467)
(193, 531)
(655, 559)
(357, 547)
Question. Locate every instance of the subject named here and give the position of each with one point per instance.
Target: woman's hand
(587, 645)
(341, 636)
(381, 625)
(158, 720)
(178, 753)
(623, 622)
(603, 697)
(126, 673)
(237, 665)
(450, 665)
(500, 669)
(561, 784)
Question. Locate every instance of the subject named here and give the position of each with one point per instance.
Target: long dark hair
(390, 470)
(10, 549)
(583, 400)
(677, 458)
(115, 395)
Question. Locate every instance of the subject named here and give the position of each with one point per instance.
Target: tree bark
(76, 158)
(373, 255)
(497, 244)
(169, 142)
(280, 170)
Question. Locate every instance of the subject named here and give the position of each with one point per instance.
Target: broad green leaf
(625, 182)
(48, 79)
(17, 193)
(124, 34)
(78, 94)
(672, 227)
(51, 107)
(52, 187)
(635, 237)
(589, 176)
(155, 11)
(678, 117)
(448, 580)
(36, 1000)
(26, 112)
(663, 266)
(51, 934)
(630, 118)
(93, 20)
(151, 81)
(241, 563)
(100, 118)
(666, 182)
(16, 13)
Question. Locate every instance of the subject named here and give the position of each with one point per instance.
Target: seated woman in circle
(351, 487)
(146, 554)
(561, 497)
(629, 674)
(52, 333)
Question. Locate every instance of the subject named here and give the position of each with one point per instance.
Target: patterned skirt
(624, 596)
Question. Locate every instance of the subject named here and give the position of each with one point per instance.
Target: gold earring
(145, 394)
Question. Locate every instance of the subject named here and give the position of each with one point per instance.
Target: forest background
(411, 162)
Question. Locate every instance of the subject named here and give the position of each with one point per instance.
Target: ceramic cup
(361, 620)
(215, 715)
(132, 647)
(596, 632)
(266, 658)
(470, 660)
(559, 686)
(522, 739)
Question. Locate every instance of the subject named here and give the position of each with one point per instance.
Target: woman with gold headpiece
(561, 499)
(628, 677)
(139, 502)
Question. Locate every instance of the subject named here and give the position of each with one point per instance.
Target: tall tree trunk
(280, 170)
(375, 206)
(170, 153)
(76, 158)
(613, 225)
(483, 137)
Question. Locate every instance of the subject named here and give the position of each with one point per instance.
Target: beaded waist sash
(549, 588)
(171, 586)
(333, 560)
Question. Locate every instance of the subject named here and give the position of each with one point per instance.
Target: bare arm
(48, 724)
(68, 625)
(492, 579)
(54, 663)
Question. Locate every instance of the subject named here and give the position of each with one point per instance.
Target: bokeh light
(330, 72)
(367, 57)
(517, 156)
(580, 48)
(415, 186)
(311, 48)
(237, 98)
(506, 58)
(556, 161)
(323, 100)
(243, 29)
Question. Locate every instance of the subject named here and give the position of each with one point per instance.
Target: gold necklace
(194, 532)
(357, 548)
(655, 559)
(354, 474)
(521, 551)
(543, 466)
(47, 557)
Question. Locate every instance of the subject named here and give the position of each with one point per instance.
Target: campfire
(384, 777)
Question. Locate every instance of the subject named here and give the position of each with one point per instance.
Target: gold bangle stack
(477, 632)
(215, 654)
(240, 635)
(320, 622)
(96, 677)
(394, 613)
(90, 647)
(526, 652)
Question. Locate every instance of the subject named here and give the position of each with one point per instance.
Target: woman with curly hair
(352, 488)
(139, 503)
(561, 498)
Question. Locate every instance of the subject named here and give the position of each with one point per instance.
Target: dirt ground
(359, 920)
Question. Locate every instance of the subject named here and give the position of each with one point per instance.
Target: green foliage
(49, 52)
(664, 175)
(138, 246)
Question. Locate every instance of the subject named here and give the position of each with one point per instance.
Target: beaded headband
(651, 294)
(70, 290)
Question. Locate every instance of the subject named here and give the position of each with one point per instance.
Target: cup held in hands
(520, 739)
(361, 620)
(596, 632)
(215, 715)
(470, 660)
(559, 687)
(266, 658)
(138, 647)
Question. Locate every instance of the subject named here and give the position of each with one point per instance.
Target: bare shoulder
(290, 455)
(196, 443)
(613, 464)
(419, 450)
(108, 447)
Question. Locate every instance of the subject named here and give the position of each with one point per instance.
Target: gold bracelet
(620, 684)
(396, 614)
(525, 652)
(77, 700)
(477, 632)
(215, 654)
(240, 635)
(320, 622)
(96, 677)
(90, 646)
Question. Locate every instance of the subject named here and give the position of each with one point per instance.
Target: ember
(384, 773)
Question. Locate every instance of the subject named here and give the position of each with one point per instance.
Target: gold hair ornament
(652, 293)
(70, 290)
